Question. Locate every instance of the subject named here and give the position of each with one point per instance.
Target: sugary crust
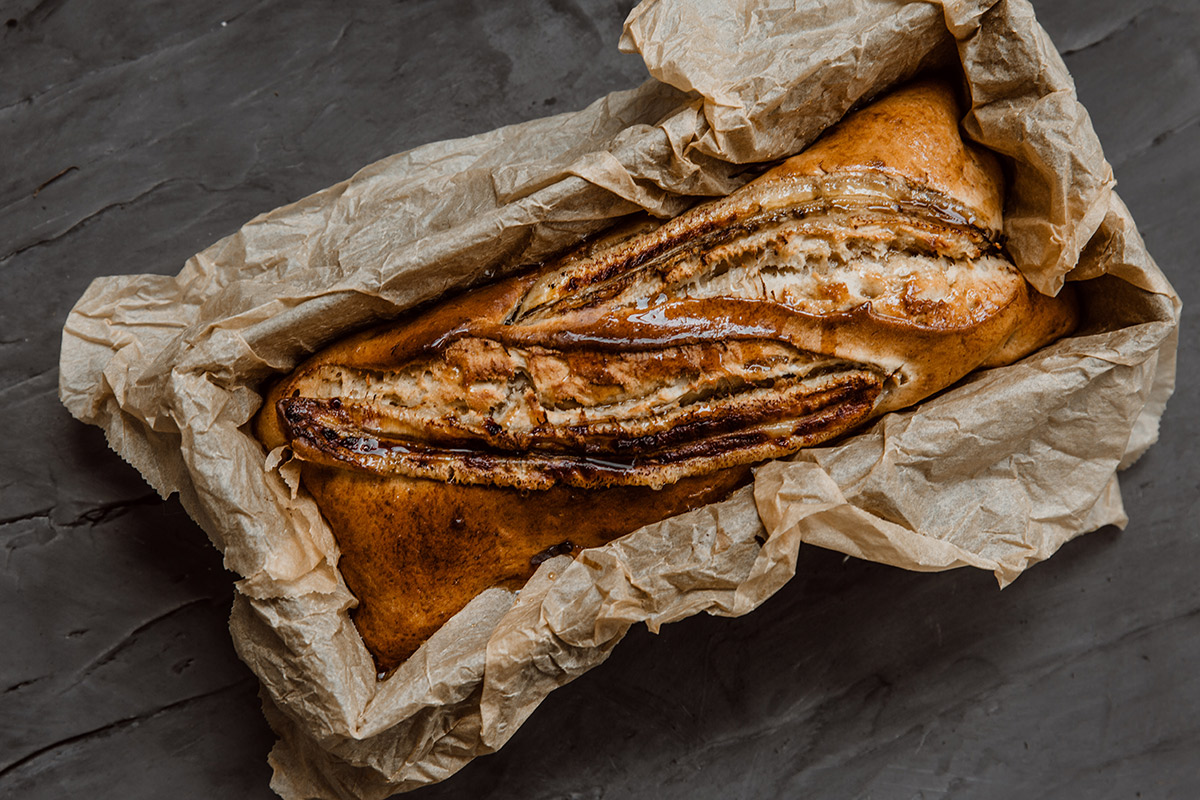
(641, 376)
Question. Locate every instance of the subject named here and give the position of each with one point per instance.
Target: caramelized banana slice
(531, 417)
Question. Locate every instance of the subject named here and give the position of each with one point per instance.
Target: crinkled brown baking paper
(171, 368)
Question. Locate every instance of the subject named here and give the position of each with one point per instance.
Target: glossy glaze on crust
(642, 375)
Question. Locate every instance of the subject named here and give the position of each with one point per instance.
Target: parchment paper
(172, 368)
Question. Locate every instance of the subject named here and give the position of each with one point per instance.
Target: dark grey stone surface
(135, 134)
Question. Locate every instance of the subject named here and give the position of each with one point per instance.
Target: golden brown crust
(1043, 320)
(416, 551)
(638, 377)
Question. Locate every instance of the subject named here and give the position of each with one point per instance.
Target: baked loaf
(643, 374)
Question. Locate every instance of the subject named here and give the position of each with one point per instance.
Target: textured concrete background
(135, 134)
